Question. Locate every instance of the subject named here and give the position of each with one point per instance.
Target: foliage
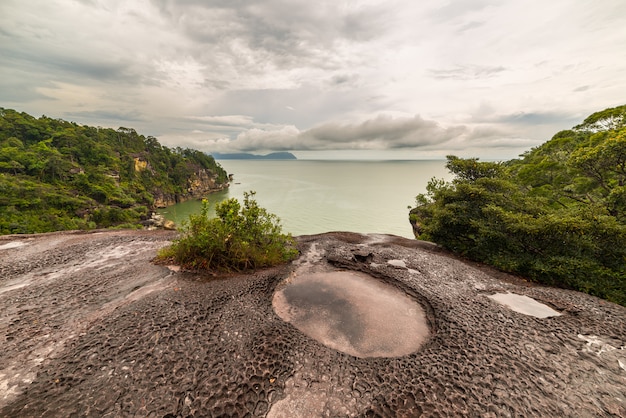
(58, 175)
(606, 120)
(238, 239)
(556, 216)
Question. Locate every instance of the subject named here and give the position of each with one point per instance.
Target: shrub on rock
(238, 239)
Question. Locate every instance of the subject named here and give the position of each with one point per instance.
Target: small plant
(238, 239)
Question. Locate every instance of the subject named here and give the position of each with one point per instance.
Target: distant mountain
(247, 156)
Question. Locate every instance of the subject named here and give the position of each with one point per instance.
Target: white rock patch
(524, 304)
(12, 244)
(397, 263)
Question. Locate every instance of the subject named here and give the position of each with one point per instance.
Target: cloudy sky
(324, 78)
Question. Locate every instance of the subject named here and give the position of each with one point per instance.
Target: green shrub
(238, 239)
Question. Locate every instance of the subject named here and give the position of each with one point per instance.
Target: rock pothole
(353, 312)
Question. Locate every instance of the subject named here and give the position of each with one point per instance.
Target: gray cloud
(15, 90)
(533, 118)
(99, 70)
(467, 72)
(278, 33)
(295, 74)
(240, 121)
(52, 56)
(131, 116)
(339, 79)
(380, 133)
(310, 104)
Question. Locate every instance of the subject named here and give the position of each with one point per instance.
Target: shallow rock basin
(353, 313)
(525, 305)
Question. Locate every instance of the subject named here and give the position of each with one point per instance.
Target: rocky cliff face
(201, 183)
(141, 164)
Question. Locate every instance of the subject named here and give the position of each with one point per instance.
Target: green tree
(84, 175)
(555, 216)
(606, 120)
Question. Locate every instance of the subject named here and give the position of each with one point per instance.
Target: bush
(499, 220)
(238, 239)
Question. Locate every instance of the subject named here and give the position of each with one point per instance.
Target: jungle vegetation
(239, 238)
(59, 175)
(556, 215)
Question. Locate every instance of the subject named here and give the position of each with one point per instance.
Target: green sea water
(312, 197)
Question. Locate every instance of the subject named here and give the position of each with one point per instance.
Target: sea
(315, 196)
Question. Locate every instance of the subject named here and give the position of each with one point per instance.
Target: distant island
(247, 156)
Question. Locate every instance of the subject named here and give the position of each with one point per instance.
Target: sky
(366, 79)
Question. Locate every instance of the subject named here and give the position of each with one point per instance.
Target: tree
(84, 175)
(606, 120)
(470, 169)
(556, 216)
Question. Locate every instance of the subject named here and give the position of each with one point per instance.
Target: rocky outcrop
(158, 221)
(201, 183)
(91, 327)
(417, 228)
(141, 164)
(163, 200)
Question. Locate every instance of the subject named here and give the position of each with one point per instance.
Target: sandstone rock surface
(91, 327)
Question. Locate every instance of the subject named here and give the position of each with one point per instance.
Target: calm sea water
(311, 197)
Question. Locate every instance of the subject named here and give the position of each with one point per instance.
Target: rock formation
(90, 327)
(201, 183)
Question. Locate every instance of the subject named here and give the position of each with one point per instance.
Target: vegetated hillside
(58, 175)
(557, 215)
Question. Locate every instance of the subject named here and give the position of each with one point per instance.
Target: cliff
(199, 184)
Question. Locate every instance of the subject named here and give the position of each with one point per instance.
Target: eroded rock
(91, 327)
(353, 313)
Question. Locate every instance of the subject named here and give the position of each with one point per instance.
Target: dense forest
(59, 175)
(557, 215)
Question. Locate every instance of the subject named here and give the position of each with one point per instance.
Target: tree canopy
(57, 175)
(557, 215)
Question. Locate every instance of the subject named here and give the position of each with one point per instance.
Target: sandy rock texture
(91, 327)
